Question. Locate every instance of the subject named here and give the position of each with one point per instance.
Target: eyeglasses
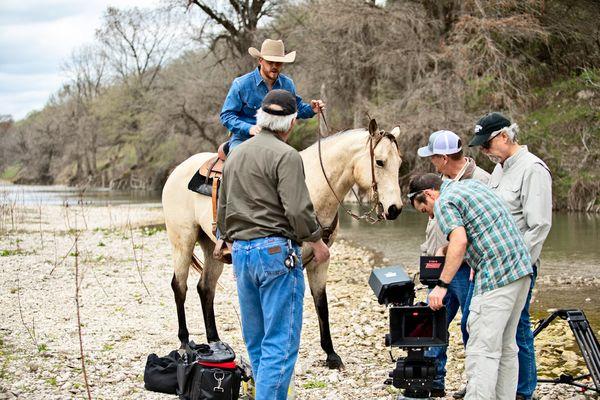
(412, 195)
(488, 144)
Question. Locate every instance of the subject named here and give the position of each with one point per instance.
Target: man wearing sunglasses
(524, 182)
(445, 152)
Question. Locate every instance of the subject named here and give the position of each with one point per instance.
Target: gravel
(127, 311)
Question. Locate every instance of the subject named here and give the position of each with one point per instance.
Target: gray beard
(494, 159)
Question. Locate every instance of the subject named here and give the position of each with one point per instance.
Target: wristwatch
(442, 284)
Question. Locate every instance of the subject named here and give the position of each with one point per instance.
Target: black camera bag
(212, 383)
(208, 372)
(160, 374)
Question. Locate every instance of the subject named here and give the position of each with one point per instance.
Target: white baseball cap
(441, 142)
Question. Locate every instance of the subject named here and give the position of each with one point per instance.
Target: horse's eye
(379, 163)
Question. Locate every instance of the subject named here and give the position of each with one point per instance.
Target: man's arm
(295, 198)
(232, 107)
(536, 197)
(451, 223)
(305, 110)
(454, 258)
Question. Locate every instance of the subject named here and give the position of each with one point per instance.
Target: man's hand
(320, 251)
(436, 298)
(317, 105)
(254, 130)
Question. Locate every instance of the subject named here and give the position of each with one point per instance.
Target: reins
(376, 207)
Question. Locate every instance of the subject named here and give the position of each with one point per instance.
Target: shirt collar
(268, 132)
(445, 184)
(512, 160)
(258, 79)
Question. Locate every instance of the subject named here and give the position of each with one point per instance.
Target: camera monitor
(430, 269)
(392, 285)
(417, 326)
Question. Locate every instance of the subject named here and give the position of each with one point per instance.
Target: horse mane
(337, 135)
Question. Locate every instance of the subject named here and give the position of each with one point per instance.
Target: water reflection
(60, 195)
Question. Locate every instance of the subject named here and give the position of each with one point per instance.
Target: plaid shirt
(496, 249)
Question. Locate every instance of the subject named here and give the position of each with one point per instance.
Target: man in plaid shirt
(481, 231)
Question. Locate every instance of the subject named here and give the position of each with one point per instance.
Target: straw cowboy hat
(272, 50)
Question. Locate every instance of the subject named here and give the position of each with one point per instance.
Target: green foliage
(11, 252)
(152, 230)
(563, 128)
(52, 381)
(314, 384)
(42, 347)
(10, 172)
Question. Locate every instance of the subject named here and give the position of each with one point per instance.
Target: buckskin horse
(369, 158)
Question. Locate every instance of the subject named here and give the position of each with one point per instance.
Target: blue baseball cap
(441, 142)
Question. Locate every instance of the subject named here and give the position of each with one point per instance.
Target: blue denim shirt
(245, 97)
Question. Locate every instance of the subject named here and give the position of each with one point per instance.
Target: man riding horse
(247, 92)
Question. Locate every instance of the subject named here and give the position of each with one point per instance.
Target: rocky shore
(122, 259)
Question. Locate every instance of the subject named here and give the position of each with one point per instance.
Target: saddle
(206, 182)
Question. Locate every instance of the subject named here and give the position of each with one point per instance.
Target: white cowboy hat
(272, 50)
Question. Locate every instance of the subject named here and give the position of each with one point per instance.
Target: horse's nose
(393, 212)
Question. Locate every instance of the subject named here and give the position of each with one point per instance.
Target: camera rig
(413, 327)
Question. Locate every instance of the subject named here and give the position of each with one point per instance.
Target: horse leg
(182, 257)
(207, 286)
(317, 280)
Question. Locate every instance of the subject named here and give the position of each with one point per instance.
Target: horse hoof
(335, 362)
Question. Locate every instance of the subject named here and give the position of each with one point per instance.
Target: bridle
(375, 213)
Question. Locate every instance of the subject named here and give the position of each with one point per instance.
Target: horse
(369, 158)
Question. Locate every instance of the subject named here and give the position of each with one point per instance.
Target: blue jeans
(456, 297)
(271, 299)
(235, 141)
(527, 366)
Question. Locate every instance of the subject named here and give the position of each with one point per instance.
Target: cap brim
(478, 140)
(288, 58)
(424, 152)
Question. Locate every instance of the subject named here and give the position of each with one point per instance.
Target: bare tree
(238, 19)
(139, 43)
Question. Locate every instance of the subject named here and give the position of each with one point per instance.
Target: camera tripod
(587, 342)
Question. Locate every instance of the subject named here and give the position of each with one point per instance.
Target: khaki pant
(492, 366)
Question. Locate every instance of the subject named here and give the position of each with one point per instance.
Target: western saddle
(206, 182)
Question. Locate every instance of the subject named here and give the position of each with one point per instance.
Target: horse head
(381, 158)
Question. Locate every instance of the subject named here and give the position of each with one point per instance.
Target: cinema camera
(413, 327)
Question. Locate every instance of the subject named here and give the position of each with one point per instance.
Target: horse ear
(373, 129)
(396, 132)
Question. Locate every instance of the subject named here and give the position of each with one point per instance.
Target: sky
(36, 38)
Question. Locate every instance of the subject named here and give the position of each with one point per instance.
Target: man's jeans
(456, 297)
(271, 299)
(235, 141)
(491, 364)
(527, 367)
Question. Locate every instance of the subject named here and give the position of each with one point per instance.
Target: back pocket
(272, 259)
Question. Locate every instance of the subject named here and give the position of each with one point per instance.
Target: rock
(585, 94)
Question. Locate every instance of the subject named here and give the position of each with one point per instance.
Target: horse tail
(197, 264)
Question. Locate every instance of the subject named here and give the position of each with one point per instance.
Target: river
(571, 249)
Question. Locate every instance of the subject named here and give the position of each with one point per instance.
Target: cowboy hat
(272, 50)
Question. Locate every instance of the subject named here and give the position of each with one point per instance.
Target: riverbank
(127, 311)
